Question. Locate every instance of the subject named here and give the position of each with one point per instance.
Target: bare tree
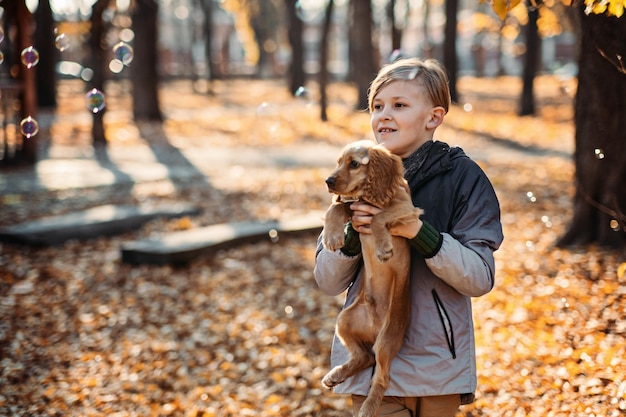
(531, 62)
(363, 54)
(323, 75)
(20, 84)
(450, 59)
(295, 28)
(97, 58)
(28, 152)
(396, 32)
(48, 55)
(207, 29)
(144, 74)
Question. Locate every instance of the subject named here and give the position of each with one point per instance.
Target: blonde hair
(430, 74)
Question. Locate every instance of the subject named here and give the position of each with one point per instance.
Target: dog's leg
(391, 336)
(387, 346)
(334, 222)
(380, 383)
(383, 243)
(354, 332)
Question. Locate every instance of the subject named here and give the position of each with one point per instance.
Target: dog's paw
(333, 378)
(384, 252)
(333, 242)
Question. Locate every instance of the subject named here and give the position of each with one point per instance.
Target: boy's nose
(385, 114)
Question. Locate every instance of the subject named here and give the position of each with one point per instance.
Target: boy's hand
(362, 221)
(362, 214)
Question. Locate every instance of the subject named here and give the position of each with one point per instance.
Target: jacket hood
(430, 160)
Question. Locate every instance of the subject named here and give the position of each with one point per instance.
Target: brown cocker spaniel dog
(372, 328)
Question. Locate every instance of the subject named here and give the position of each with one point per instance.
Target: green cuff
(352, 245)
(428, 240)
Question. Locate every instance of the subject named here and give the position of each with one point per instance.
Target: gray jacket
(438, 355)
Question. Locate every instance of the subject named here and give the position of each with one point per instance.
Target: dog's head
(366, 171)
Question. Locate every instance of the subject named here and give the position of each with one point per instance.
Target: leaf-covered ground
(246, 332)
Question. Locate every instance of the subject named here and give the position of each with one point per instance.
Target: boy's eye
(377, 107)
(399, 105)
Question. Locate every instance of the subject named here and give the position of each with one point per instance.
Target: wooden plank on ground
(94, 222)
(183, 246)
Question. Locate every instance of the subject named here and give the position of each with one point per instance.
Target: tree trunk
(144, 74)
(18, 97)
(396, 32)
(531, 63)
(264, 21)
(97, 58)
(600, 121)
(207, 8)
(323, 76)
(295, 27)
(427, 45)
(365, 67)
(27, 77)
(450, 60)
(48, 56)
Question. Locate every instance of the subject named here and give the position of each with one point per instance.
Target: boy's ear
(436, 117)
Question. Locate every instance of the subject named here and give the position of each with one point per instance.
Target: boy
(452, 247)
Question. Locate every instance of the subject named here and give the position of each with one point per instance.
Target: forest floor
(246, 332)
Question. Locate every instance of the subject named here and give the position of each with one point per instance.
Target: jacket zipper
(445, 321)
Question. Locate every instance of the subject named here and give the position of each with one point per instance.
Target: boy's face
(403, 117)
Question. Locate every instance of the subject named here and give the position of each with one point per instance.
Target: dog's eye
(354, 165)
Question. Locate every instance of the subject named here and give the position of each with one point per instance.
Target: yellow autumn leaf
(599, 8)
(502, 7)
(184, 223)
(277, 377)
(549, 23)
(621, 270)
(273, 399)
(616, 7)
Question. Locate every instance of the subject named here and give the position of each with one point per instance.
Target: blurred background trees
(142, 43)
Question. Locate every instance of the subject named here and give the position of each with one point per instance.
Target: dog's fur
(372, 329)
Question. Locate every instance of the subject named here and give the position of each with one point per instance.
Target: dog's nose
(330, 181)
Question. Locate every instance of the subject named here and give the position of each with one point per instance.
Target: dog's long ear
(385, 173)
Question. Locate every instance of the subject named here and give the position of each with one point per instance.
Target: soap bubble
(615, 226)
(29, 127)
(264, 109)
(62, 42)
(395, 55)
(599, 153)
(302, 93)
(1, 57)
(303, 96)
(1, 34)
(30, 57)
(300, 11)
(123, 52)
(95, 100)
